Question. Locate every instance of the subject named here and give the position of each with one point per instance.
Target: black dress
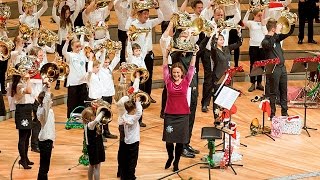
(95, 148)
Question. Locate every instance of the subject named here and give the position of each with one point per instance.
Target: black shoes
(37, 150)
(142, 124)
(260, 87)
(168, 163)
(191, 149)
(24, 165)
(300, 41)
(313, 42)
(252, 87)
(152, 100)
(204, 109)
(57, 87)
(110, 136)
(162, 115)
(187, 154)
(28, 162)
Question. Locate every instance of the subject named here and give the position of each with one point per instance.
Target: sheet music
(227, 97)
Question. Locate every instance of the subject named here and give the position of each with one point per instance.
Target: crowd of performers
(91, 72)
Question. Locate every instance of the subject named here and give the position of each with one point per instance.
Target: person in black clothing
(307, 10)
(278, 79)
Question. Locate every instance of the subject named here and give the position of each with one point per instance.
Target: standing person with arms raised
(176, 120)
(278, 79)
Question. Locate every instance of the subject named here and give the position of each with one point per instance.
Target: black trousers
(207, 81)
(76, 97)
(122, 36)
(2, 105)
(255, 54)
(130, 162)
(120, 157)
(45, 157)
(201, 55)
(279, 82)
(302, 21)
(233, 38)
(23, 144)
(106, 127)
(36, 126)
(215, 88)
(3, 70)
(148, 60)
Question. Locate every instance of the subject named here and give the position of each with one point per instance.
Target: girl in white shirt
(47, 133)
(257, 31)
(77, 87)
(136, 54)
(29, 17)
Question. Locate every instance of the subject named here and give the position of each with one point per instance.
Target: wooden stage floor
(262, 159)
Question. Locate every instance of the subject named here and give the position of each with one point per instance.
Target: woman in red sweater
(176, 121)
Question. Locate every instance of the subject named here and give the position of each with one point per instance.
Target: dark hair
(129, 106)
(64, 22)
(180, 66)
(272, 23)
(195, 3)
(140, 12)
(15, 81)
(41, 96)
(34, 51)
(135, 46)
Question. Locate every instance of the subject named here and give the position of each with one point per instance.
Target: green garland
(84, 158)
(211, 147)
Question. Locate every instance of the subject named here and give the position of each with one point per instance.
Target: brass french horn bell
(6, 45)
(197, 25)
(287, 19)
(144, 75)
(50, 71)
(102, 3)
(144, 98)
(134, 32)
(102, 106)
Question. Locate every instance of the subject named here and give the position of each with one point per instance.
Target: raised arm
(281, 37)
(115, 61)
(184, 6)
(54, 13)
(157, 20)
(42, 10)
(92, 124)
(245, 20)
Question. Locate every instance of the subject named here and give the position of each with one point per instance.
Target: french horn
(57, 70)
(6, 45)
(46, 35)
(104, 107)
(182, 45)
(27, 65)
(102, 3)
(225, 2)
(28, 3)
(144, 75)
(287, 19)
(181, 20)
(5, 14)
(88, 30)
(26, 31)
(144, 98)
(140, 5)
(134, 32)
(201, 24)
(112, 46)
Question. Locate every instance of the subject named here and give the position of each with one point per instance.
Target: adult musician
(278, 79)
(306, 10)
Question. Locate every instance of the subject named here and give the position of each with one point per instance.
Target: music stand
(226, 99)
(256, 71)
(305, 67)
(211, 134)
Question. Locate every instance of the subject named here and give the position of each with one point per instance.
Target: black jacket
(272, 47)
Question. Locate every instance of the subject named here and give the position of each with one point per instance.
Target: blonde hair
(87, 115)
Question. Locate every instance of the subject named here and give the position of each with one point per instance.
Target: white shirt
(231, 10)
(275, 13)
(257, 32)
(76, 62)
(97, 18)
(145, 39)
(47, 131)
(123, 11)
(106, 78)
(32, 21)
(62, 32)
(121, 108)
(165, 41)
(168, 7)
(131, 125)
(94, 84)
(137, 60)
(21, 97)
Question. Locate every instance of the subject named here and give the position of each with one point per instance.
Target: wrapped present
(291, 125)
(276, 126)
